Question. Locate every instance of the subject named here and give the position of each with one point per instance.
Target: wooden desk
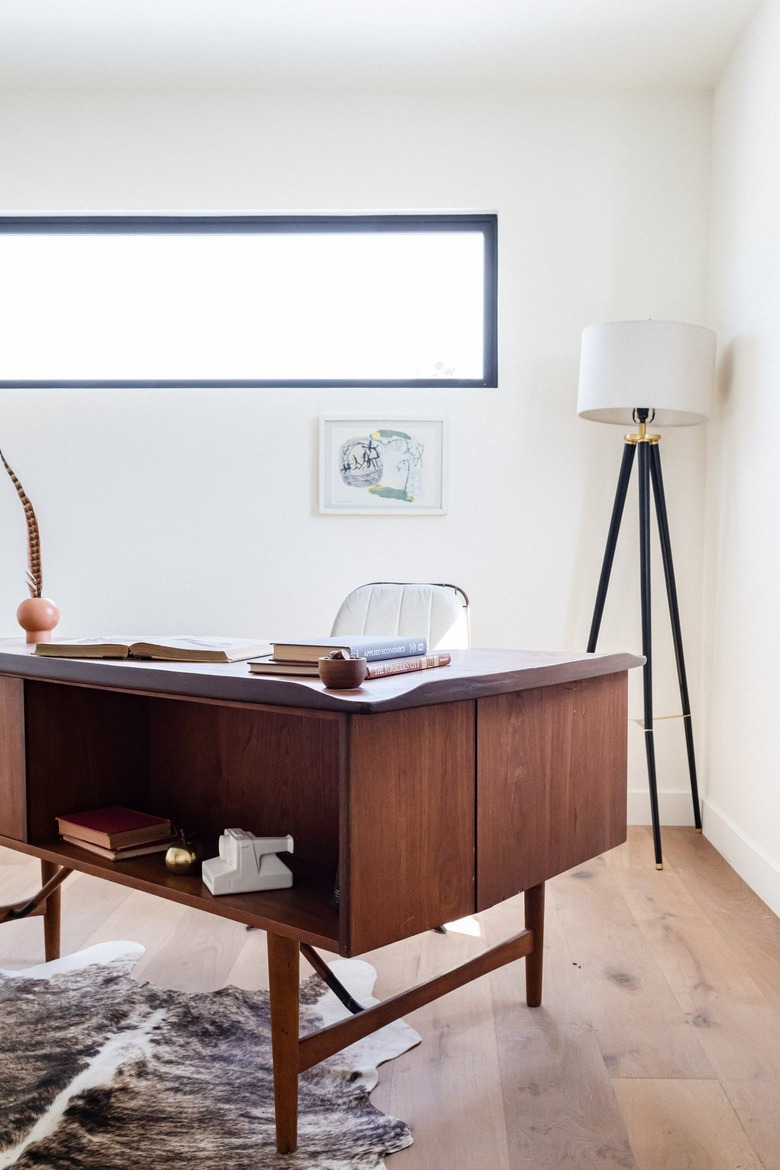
(434, 795)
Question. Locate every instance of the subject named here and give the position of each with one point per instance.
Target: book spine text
(403, 665)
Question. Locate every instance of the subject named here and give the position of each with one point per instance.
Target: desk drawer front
(552, 782)
(410, 831)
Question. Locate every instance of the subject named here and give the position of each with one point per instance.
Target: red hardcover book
(114, 827)
(126, 851)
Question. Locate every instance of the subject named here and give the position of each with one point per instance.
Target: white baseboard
(760, 872)
(675, 808)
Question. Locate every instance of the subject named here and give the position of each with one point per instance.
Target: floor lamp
(661, 373)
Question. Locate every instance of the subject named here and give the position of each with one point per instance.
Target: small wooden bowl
(342, 674)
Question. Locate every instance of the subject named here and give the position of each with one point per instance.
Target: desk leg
(51, 913)
(284, 977)
(534, 920)
(47, 903)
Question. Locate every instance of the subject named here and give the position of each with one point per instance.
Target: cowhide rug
(100, 1072)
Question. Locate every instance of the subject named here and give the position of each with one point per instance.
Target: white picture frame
(383, 466)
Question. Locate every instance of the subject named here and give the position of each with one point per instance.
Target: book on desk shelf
(128, 851)
(166, 648)
(270, 665)
(114, 827)
(373, 647)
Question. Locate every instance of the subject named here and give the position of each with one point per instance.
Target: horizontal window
(337, 300)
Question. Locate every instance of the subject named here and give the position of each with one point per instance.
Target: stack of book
(117, 833)
(391, 654)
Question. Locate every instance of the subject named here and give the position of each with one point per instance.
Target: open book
(172, 649)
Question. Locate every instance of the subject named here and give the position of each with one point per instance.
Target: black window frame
(486, 223)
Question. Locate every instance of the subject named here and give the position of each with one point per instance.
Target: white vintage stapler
(247, 863)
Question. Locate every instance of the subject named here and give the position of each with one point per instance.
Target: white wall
(197, 510)
(742, 567)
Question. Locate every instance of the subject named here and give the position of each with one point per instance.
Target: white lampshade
(665, 366)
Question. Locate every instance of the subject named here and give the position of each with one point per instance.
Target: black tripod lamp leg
(647, 642)
(674, 614)
(612, 536)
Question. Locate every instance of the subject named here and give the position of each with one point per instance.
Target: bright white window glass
(249, 306)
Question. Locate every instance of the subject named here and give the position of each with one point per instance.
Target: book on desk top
(167, 648)
(406, 665)
(270, 665)
(114, 827)
(126, 851)
(374, 647)
(376, 669)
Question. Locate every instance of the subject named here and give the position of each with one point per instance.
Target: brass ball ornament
(185, 855)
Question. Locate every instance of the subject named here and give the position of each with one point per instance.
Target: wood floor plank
(86, 904)
(733, 908)
(250, 966)
(757, 1105)
(11, 867)
(449, 1088)
(735, 1024)
(558, 1098)
(687, 1124)
(21, 942)
(636, 852)
(641, 1028)
(170, 934)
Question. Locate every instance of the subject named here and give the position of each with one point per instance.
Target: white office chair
(439, 611)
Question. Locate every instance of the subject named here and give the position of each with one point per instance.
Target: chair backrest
(439, 611)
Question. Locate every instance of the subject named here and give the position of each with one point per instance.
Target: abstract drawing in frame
(381, 466)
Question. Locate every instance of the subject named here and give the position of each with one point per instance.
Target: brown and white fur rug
(100, 1072)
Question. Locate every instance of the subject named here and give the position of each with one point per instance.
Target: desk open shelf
(304, 912)
(356, 792)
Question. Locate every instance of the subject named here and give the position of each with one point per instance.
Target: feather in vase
(34, 571)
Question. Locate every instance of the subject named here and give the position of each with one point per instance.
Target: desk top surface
(472, 674)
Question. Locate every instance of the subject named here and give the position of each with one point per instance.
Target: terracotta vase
(37, 616)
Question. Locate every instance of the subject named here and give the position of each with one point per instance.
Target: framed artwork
(383, 466)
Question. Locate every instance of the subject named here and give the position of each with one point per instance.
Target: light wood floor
(657, 1046)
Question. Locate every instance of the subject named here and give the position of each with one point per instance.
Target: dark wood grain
(552, 782)
(388, 797)
(85, 748)
(283, 976)
(271, 772)
(319, 1045)
(13, 787)
(409, 810)
(533, 900)
(302, 912)
(472, 674)
(52, 913)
